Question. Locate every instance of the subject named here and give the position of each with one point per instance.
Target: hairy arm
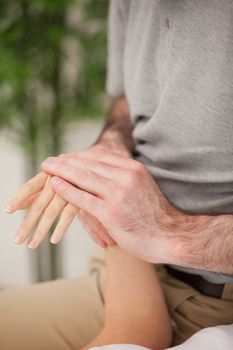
(117, 130)
(135, 310)
(202, 241)
(199, 241)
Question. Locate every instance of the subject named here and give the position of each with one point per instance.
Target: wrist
(114, 142)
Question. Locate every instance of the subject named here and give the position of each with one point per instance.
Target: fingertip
(17, 241)
(9, 209)
(101, 244)
(33, 244)
(55, 239)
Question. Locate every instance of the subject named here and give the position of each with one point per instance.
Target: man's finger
(48, 218)
(108, 158)
(97, 167)
(82, 178)
(29, 189)
(80, 199)
(34, 212)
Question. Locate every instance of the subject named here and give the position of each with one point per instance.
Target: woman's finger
(29, 189)
(34, 212)
(48, 218)
(67, 216)
(26, 204)
(93, 235)
(97, 231)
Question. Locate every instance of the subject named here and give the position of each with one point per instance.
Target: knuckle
(82, 215)
(138, 166)
(83, 174)
(113, 212)
(131, 179)
(29, 187)
(61, 159)
(120, 195)
(62, 188)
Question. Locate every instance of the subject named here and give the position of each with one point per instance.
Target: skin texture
(43, 208)
(136, 312)
(164, 233)
(153, 231)
(114, 138)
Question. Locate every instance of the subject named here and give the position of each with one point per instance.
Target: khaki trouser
(67, 314)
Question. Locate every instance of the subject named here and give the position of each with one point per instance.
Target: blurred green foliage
(52, 71)
(52, 68)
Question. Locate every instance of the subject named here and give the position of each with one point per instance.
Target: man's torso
(178, 80)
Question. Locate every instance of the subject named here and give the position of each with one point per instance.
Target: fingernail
(55, 238)
(56, 181)
(9, 209)
(19, 237)
(33, 244)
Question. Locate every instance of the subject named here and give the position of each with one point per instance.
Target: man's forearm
(118, 126)
(199, 241)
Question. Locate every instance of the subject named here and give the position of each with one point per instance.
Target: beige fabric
(59, 315)
(66, 314)
(193, 311)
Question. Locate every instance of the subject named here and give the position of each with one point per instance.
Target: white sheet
(213, 338)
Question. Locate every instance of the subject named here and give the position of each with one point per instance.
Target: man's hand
(92, 225)
(120, 193)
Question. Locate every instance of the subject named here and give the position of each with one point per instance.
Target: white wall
(15, 261)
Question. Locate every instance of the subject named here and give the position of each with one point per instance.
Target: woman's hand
(27, 193)
(35, 196)
(43, 207)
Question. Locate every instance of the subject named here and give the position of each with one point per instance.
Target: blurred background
(52, 101)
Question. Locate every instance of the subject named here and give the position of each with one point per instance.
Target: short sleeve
(116, 41)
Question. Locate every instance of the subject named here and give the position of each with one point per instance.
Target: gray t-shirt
(173, 60)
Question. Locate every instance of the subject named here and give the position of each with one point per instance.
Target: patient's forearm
(135, 310)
